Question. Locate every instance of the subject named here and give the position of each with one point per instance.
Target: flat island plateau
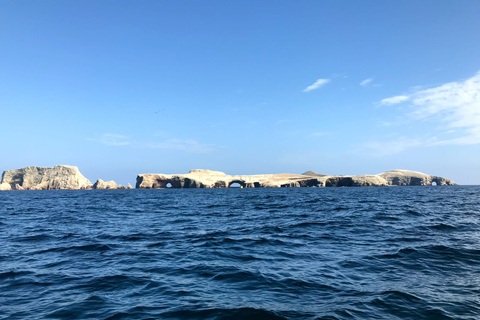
(64, 177)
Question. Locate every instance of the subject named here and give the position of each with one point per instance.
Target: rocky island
(57, 178)
(40, 178)
(200, 178)
(69, 178)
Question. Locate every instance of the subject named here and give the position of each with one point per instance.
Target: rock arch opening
(236, 184)
(169, 185)
(434, 183)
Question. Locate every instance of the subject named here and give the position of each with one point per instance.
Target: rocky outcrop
(100, 184)
(413, 178)
(356, 181)
(129, 186)
(41, 178)
(200, 178)
(5, 186)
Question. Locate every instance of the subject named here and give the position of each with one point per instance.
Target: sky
(120, 88)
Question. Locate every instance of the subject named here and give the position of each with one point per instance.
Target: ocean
(289, 253)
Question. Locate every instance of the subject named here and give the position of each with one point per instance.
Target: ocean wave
(223, 314)
(310, 253)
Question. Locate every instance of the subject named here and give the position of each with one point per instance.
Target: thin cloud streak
(319, 134)
(394, 100)
(112, 139)
(187, 145)
(386, 148)
(183, 145)
(366, 82)
(319, 83)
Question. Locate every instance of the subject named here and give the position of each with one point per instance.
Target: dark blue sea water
(301, 253)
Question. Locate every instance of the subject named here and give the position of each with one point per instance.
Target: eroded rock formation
(100, 184)
(69, 177)
(355, 181)
(413, 178)
(41, 178)
(200, 178)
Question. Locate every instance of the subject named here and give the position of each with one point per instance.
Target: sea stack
(40, 178)
(100, 184)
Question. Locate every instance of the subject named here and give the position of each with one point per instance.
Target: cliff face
(413, 178)
(216, 179)
(69, 177)
(100, 184)
(40, 178)
(355, 181)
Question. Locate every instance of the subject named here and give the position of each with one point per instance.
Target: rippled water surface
(306, 253)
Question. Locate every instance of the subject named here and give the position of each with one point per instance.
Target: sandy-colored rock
(100, 184)
(356, 181)
(5, 186)
(201, 178)
(129, 186)
(41, 178)
(413, 178)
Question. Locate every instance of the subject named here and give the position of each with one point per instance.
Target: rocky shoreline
(64, 177)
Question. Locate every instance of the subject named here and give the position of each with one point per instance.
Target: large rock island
(200, 178)
(41, 178)
(57, 178)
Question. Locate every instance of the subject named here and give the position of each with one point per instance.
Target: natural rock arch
(240, 183)
(217, 179)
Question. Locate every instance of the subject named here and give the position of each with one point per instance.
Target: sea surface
(290, 253)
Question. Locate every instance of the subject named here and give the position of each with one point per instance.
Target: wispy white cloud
(453, 106)
(188, 145)
(319, 134)
(319, 83)
(183, 145)
(394, 100)
(366, 82)
(112, 139)
(385, 148)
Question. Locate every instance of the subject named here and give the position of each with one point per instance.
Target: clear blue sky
(119, 88)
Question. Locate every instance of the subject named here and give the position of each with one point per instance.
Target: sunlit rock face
(100, 184)
(200, 178)
(413, 178)
(41, 178)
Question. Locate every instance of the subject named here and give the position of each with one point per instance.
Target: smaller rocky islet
(63, 177)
